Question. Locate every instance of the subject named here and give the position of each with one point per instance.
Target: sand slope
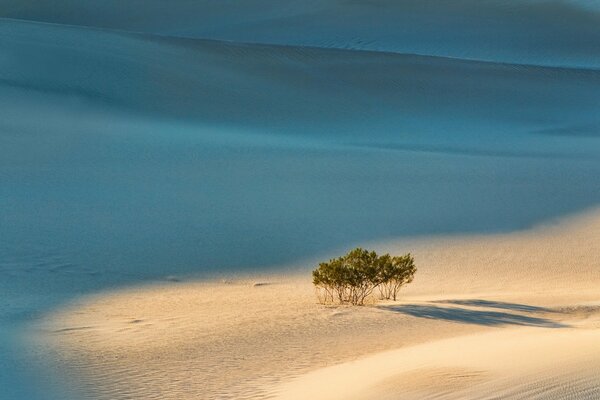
(509, 364)
(265, 146)
(502, 316)
(560, 32)
(270, 86)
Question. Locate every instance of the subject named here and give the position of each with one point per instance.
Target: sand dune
(265, 146)
(478, 322)
(560, 32)
(510, 364)
(269, 88)
(146, 140)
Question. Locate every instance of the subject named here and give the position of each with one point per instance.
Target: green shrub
(395, 272)
(353, 278)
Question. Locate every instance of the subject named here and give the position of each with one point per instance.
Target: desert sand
(511, 316)
(145, 140)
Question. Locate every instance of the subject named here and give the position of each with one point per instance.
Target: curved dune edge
(510, 315)
(516, 363)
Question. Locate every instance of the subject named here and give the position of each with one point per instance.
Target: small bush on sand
(395, 272)
(352, 278)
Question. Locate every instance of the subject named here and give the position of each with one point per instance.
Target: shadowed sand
(499, 316)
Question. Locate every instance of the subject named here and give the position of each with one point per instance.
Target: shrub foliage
(354, 277)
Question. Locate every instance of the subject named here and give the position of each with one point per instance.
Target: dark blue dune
(146, 156)
(545, 32)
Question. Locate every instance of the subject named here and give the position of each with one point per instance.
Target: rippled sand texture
(478, 322)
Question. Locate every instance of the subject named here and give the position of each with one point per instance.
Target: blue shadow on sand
(479, 317)
(496, 304)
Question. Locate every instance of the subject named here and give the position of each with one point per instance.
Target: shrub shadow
(470, 316)
(495, 304)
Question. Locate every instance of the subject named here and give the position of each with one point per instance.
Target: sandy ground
(509, 316)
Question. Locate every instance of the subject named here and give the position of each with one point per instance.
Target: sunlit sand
(509, 316)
